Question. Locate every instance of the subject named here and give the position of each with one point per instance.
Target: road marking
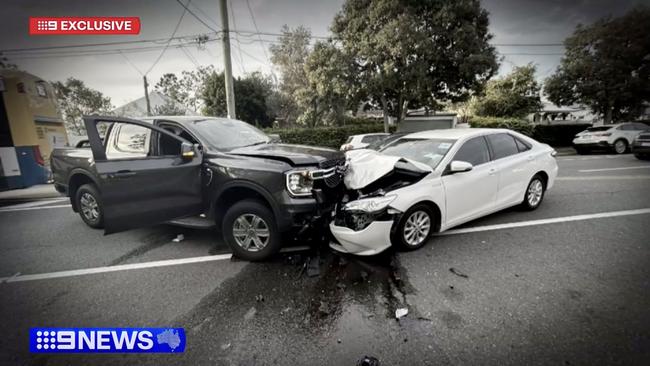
(9, 209)
(122, 267)
(619, 168)
(126, 267)
(36, 203)
(604, 177)
(555, 220)
(564, 158)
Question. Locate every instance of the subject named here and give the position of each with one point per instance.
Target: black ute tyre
(90, 206)
(534, 193)
(620, 146)
(250, 230)
(415, 228)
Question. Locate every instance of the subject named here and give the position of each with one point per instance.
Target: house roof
(138, 107)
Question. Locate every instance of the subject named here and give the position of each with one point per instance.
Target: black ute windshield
(225, 134)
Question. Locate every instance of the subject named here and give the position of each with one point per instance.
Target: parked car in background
(214, 171)
(362, 141)
(431, 181)
(641, 145)
(617, 138)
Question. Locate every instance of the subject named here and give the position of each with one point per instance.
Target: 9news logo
(107, 340)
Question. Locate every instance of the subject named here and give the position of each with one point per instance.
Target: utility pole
(146, 94)
(225, 43)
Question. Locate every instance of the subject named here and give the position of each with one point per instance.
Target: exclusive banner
(83, 25)
(107, 340)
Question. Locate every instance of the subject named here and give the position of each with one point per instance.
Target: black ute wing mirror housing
(188, 150)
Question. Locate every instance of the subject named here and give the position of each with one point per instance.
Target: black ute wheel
(250, 230)
(534, 193)
(415, 228)
(90, 207)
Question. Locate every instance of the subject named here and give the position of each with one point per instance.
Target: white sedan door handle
(530, 158)
(492, 171)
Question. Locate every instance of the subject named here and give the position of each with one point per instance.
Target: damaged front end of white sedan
(430, 181)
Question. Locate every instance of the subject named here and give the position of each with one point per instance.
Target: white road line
(604, 177)
(9, 209)
(36, 203)
(619, 168)
(122, 267)
(173, 262)
(126, 267)
(554, 220)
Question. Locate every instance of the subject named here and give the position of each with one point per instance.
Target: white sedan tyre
(415, 228)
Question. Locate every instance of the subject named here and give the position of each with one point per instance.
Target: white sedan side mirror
(458, 166)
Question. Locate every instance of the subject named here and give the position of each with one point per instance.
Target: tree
(185, 90)
(514, 95)
(331, 87)
(75, 100)
(289, 55)
(170, 108)
(606, 66)
(252, 91)
(417, 53)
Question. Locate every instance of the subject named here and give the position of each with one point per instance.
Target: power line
(197, 17)
(178, 24)
(241, 58)
(250, 11)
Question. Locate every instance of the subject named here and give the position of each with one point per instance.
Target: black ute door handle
(122, 174)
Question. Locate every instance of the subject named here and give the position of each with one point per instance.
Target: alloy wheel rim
(89, 206)
(416, 228)
(535, 190)
(251, 232)
(620, 147)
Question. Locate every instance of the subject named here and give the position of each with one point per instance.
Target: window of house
(41, 90)
(20, 87)
(474, 151)
(502, 145)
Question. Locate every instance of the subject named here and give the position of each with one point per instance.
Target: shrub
(332, 137)
(515, 124)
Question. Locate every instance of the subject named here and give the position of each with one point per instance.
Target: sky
(119, 74)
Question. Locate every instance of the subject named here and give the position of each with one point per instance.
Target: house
(554, 114)
(157, 101)
(30, 128)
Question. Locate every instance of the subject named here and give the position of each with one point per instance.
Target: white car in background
(431, 181)
(618, 137)
(362, 141)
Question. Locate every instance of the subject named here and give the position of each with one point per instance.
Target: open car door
(141, 186)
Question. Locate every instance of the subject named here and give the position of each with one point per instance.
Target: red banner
(84, 25)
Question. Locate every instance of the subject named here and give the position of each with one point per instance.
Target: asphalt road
(556, 292)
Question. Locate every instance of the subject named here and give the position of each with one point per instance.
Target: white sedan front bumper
(372, 240)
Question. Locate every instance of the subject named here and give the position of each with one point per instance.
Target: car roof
(454, 133)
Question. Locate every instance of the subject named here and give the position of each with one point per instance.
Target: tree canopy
(606, 67)
(514, 95)
(75, 100)
(417, 53)
(252, 92)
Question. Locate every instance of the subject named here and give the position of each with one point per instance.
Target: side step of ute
(193, 222)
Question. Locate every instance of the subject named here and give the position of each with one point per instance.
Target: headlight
(299, 183)
(372, 204)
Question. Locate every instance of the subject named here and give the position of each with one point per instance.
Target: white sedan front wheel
(415, 228)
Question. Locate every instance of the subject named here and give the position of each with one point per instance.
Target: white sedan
(431, 181)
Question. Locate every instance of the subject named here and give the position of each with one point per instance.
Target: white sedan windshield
(426, 151)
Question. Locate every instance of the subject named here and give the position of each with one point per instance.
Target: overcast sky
(117, 75)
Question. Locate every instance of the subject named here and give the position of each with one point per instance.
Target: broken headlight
(299, 183)
(371, 204)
